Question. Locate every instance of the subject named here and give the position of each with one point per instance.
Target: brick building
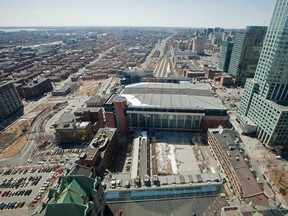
(101, 151)
(223, 144)
(36, 88)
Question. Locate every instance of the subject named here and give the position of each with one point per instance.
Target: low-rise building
(226, 80)
(74, 132)
(92, 114)
(95, 101)
(79, 126)
(223, 144)
(36, 88)
(211, 72)
(101, 150)
(64, 90)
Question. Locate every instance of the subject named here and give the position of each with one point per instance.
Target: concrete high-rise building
(198, 44)
(265, 98)
(225, 55)
(10, 101)
(208, 31)
(224, 36)
(246, 53)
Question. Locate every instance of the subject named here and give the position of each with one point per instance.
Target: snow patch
(133, 100)
(166, 158)
(172, 158)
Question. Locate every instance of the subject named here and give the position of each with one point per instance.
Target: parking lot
(55, 156)
(24, 187)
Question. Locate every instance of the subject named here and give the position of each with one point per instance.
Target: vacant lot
(13, 133)
(15, 148)
(89, 88)
(280, 179)
(42, 107)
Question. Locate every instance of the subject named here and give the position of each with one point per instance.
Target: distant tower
(225, 55)
(209, 30)
(198, 44)
(246, 52)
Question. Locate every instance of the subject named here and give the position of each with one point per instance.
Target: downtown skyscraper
(265, 98)
(246, 52)
(225, 55)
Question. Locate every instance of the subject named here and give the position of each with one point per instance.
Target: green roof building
(75, 196)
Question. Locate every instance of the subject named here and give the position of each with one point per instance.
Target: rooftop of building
(64, 88)
(188, 206)
(96, 100)
(66, 117)
(228, 142)
(70, 209)
(88, 109)
(72, 125)
(35, 82)
(81, 170)
(72, 195)
(183, 95)
(98, 144)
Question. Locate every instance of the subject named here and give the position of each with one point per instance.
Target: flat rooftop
(183, 95)
(35, 82)
(99, 143)
(73, 125)
(183, 207)
(87, 109)
(227, 140)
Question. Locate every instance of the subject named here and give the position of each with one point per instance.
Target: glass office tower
(225, 55)
(265, 98)
(246, 53)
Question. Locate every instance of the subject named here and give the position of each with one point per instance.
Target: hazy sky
(182, 13)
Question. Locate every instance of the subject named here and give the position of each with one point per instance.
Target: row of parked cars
(43, 188)
(45, 170)
(62, 151)
(13, 171)
(20, 182)
(16, 193)
(11, 205)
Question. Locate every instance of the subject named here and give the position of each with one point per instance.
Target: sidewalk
(259, 156)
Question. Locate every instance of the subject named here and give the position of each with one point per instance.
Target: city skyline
(224, 13)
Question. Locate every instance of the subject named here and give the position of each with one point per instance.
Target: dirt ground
(42, 106)
(89, 88)
(12, 133)
(280, 179)
(15, 148)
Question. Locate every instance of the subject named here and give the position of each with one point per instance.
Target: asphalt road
(25, 154)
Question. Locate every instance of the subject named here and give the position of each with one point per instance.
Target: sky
(166, 13)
